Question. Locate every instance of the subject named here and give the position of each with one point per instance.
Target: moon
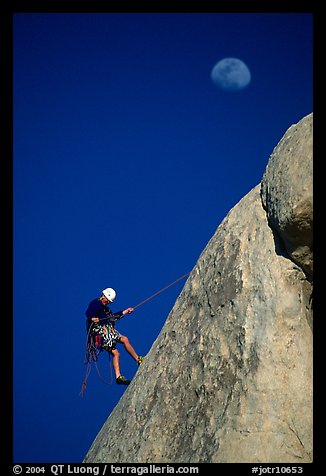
(231, 74)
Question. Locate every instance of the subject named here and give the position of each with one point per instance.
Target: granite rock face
(287, 192)
(229, 378)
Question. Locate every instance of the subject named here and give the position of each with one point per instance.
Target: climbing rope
(160, 291)
(91, 356)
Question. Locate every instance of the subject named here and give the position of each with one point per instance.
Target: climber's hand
(129, 310)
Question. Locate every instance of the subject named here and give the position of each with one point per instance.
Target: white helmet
(110, 294)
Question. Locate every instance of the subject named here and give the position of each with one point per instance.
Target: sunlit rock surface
(229, 378)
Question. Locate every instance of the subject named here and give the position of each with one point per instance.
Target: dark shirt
(103, 312)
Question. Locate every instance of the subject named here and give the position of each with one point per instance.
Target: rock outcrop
(229, 378)
(287, 192)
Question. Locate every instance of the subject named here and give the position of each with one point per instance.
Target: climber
(102, 333)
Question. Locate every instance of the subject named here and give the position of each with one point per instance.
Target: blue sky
(126, 159)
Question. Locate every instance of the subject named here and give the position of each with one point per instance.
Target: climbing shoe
(140, 360)
(122, 381)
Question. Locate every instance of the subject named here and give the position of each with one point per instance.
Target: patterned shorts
(105, 337)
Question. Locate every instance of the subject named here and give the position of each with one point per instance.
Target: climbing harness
(94, 343)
